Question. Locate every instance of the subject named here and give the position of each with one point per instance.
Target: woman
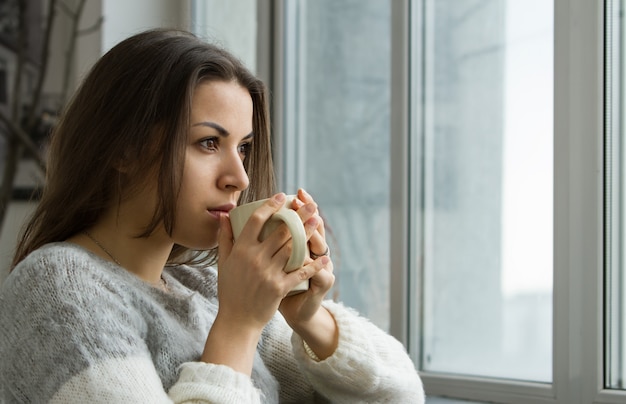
(114, 295)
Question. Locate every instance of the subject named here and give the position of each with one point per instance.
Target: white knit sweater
(76, 328)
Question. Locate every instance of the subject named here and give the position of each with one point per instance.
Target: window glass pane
(232, 24)
(615, 201)
(488, 187)
(337, 136)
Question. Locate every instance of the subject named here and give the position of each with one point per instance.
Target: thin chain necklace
(162, 283)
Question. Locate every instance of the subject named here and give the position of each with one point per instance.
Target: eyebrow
(219, 128)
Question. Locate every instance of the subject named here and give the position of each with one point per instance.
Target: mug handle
(298, 237)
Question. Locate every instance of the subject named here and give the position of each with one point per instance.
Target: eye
(209, 143)
(244, 149)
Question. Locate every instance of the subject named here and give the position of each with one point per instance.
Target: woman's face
(214, 175)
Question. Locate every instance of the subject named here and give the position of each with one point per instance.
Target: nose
(234, 176)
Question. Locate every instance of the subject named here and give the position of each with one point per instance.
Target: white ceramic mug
(300, 247)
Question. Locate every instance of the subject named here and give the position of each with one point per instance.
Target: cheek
(195, 228)
(198, 178)
(194, 196)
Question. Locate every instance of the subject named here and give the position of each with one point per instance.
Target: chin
(201, 246)
(201, 243)
(210, 246)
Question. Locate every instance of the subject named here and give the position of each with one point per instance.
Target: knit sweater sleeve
(132, 380)
(369, 365)
(68, 337)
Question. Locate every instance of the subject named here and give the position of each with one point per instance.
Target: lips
(220, 210)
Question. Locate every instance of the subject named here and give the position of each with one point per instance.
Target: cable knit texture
(76, 328)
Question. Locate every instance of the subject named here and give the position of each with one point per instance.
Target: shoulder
(58, 283)
(59, 274)
(53, 261)
(61, 312)
(62, 286)
(62, 289)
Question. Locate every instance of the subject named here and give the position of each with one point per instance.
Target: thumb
(225, 240)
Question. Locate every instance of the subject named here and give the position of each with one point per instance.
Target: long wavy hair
(133, 108)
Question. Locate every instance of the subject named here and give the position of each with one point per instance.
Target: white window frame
(578, 294)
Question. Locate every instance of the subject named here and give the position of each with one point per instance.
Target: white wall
(123, 18)
(89, 46)
(15, 217)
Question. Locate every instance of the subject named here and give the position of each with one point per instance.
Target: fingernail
(310, 208)
(223, 219)
(280, 198)
(304, 192)
(325, 260)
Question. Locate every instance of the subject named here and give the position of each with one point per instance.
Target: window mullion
(578, 297)
(399, 222)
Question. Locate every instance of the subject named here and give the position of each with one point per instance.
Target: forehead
(225, 101)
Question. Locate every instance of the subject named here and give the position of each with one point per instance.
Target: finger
(306, 272)
(315, 241)
(330, 266)
(279, 241)
(308, 210)
(305, 196)
(280, 238)
(311, 227)
(318, 246)
(314, 228)
(277, 238)
(252, 229)
(324, 279)
(296, 204)
(225, 239)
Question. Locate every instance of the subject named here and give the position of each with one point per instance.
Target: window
(473, 177)
(486, 194)
(336, 143)
(615, 201)
(232, 24)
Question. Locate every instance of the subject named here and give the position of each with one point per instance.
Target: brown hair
(134, 108)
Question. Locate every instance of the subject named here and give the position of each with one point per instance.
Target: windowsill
(444, 400)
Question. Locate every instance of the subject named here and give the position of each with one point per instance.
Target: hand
(251, 280)
(300, 308)
(304, 312)
(251, 285)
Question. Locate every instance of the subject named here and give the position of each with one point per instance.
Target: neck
(116, 231)
(145, 257)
